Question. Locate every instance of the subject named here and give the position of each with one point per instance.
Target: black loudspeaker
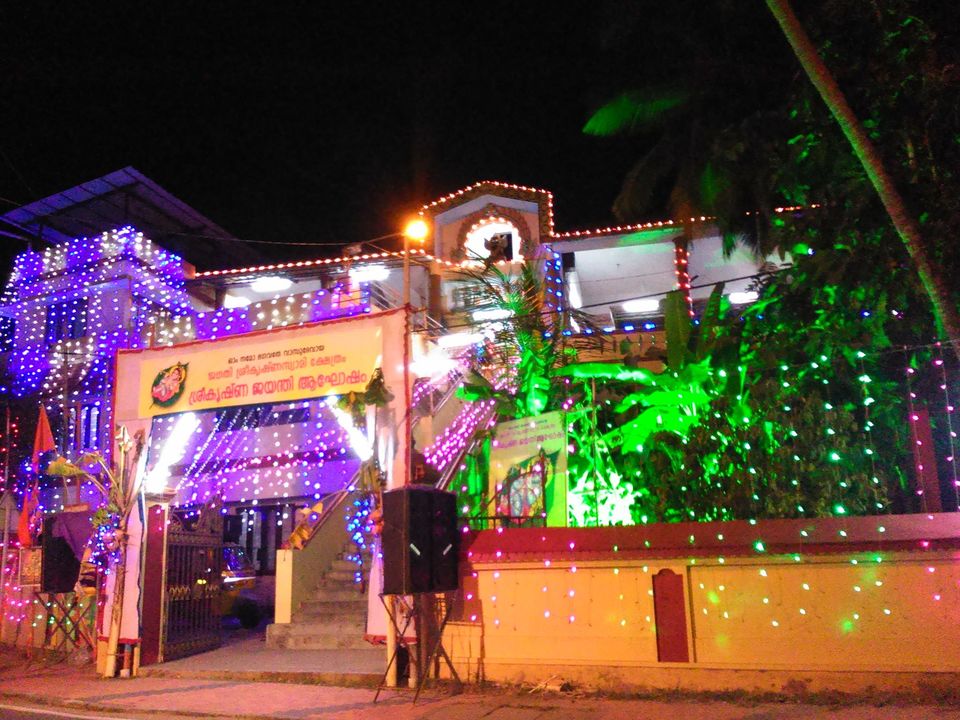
(232, 528)
(59, 567)
(421, 545)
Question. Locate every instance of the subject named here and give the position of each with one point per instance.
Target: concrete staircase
(334, 619)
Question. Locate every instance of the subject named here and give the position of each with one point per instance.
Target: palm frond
(631, 111)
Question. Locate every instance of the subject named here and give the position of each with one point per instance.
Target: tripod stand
(416, 610)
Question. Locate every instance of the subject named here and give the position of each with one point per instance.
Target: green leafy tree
(697, 87)
(855, 131)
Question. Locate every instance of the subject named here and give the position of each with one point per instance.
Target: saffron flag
(30, 502)
(42, 443)
(42, 440)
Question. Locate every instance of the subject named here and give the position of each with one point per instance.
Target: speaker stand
(436, 652)
(399, 633)
(437, 649)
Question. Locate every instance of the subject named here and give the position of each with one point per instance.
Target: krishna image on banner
(528, 471)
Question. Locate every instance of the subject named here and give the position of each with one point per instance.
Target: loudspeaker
(421, 545)
(232, 528)
(59, 567)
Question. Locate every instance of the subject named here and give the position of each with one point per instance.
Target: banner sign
(528, 469)
(275, 367)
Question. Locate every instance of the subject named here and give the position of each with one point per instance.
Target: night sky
(326, 122)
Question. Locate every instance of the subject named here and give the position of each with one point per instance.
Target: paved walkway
(247, 657)
(68, 685)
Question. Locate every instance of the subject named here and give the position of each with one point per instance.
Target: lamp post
(415, 230)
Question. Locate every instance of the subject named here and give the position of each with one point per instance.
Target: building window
(466, 297)
(90, 426)
(8, 329)
(66, 321)
(83, 427)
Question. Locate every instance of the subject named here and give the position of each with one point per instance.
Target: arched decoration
(492, 214)
(542, 198)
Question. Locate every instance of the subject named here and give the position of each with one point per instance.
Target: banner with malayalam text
(283, 365)
(528, 469)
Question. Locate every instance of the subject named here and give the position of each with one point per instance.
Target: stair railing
(453, 467)
(298, 568)
(317, 540)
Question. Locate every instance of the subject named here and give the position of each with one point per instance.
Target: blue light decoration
(358, 528)
(76, 303)
(553, 280)
(252, 453)
(70, 307)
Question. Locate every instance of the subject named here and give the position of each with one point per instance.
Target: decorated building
(249, 435)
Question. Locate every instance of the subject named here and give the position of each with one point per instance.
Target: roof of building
(123, 197)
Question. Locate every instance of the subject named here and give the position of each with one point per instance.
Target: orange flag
(30, 502)
(42, 440)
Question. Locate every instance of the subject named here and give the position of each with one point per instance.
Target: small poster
(30, 563)
(528, 470)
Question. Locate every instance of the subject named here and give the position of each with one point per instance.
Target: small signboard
(528, 469)
(29, 566)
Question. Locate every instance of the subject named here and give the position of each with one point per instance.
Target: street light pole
(415, 230)
(406, 269)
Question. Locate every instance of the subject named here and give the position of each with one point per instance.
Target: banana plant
(700, 366)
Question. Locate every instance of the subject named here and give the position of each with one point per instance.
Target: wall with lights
(76, 303)
(836, 603)
(276, 312)
(253, 453)
(610, 265)
(70, 308)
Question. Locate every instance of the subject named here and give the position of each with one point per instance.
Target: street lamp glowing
(416, 230)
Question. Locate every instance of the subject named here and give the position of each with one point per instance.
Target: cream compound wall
(900, 614)
(846, 618)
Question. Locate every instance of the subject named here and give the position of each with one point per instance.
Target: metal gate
(193, 583)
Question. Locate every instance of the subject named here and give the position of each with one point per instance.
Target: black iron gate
(193, 563)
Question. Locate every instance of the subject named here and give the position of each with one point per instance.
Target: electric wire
(477, 323)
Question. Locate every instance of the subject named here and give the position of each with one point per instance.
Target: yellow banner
(280, 366)
(528, 469)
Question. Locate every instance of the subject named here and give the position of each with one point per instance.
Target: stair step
(342, 576)
(333, 607)
(345, 566)
(301, 618)
(342, 593)
(333, 642)
(336, 626)
(294, 636)
(358, 616)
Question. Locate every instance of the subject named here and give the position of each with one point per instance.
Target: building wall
(831, 611)
(709, 266)
(613, 275)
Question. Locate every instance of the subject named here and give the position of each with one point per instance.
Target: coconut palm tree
(945, 309)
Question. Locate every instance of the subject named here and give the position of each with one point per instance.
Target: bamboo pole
(3, 563)
(125, 494)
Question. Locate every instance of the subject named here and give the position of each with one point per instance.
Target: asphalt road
(28, 712)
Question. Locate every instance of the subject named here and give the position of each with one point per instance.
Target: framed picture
(30, 564)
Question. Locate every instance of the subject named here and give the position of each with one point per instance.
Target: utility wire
(288, 243)
(17, 172)
(476, 323)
